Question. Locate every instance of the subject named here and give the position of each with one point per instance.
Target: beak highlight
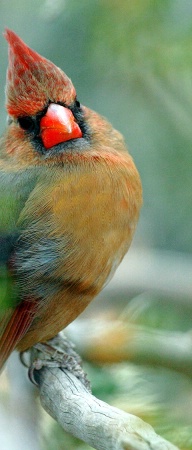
(58, 125)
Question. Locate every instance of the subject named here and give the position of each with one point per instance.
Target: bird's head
(46, 122)
(41, 103)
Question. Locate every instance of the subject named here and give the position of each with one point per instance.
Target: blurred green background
(131, 60)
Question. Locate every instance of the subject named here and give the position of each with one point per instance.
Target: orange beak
(58, 125)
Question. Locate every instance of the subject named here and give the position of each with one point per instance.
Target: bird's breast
(77, 224)
(89, 211)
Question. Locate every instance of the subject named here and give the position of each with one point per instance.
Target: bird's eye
(26, 123)
(77, 103)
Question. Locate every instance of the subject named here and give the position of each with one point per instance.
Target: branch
(101, 426)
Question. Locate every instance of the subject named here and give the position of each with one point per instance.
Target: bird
(70, 199)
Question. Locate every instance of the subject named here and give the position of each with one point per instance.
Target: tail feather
(16, 328)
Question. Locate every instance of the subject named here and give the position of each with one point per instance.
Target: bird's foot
(57, 352)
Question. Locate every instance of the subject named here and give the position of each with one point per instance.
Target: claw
(22, 359)
(58, 352)
(31, 375)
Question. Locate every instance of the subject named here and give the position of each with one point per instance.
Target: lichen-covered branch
(103, 427)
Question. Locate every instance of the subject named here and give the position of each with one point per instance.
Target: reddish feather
(19, 48)
(31, 78)
(16, 328)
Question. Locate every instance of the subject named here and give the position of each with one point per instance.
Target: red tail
(16, 328)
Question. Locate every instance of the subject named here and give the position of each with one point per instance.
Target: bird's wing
(16, 313)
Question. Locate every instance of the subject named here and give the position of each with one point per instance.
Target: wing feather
(16, 327)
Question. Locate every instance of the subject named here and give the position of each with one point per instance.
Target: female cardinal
(70, 197)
